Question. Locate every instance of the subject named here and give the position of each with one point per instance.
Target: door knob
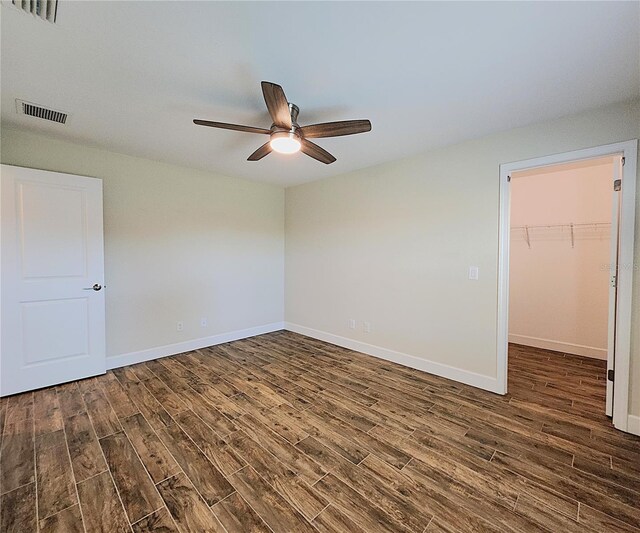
(96, 287)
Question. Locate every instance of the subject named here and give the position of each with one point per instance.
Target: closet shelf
(583, 230)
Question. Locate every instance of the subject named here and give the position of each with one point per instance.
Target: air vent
(44, 9)
(35, 110)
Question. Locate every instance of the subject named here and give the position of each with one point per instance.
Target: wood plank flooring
(283, 433)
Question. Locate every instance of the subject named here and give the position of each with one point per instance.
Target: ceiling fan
(286, 135)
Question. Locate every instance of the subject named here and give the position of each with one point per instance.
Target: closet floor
(284, 433)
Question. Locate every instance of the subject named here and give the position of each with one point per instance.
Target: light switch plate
(474, 272)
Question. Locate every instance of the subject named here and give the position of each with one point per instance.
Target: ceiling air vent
(35, 110)
(44, 9)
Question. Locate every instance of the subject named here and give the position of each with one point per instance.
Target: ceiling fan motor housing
(278, 131)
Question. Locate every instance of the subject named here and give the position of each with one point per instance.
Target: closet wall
(559, 278)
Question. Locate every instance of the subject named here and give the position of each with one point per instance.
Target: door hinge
(610, 374)
(508, 178)
(617, 185)
(624, 160)
(614, 281)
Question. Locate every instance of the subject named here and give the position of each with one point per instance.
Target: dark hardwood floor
(283, 433)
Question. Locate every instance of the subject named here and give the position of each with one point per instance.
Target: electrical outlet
(367, 327)
(352, 323)
(180, 326)
(203, 322)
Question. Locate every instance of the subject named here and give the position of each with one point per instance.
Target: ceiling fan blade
(313, 150)
(277, 104)
(261, 152)
(335, 129)
(225, 126)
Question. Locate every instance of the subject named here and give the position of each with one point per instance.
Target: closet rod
(567, 225)
(570, 225)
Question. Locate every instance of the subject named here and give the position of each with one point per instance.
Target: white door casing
(52, 321)
(629, 151)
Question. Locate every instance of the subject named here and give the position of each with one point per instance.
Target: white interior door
(51, 276)
(613, 281)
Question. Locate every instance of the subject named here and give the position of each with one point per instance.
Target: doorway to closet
(565, 274)
(562, 238)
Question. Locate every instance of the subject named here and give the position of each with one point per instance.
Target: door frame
(628, 150)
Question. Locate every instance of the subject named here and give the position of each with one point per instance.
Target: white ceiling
(133, 75)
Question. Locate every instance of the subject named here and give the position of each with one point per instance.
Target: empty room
(320, 267)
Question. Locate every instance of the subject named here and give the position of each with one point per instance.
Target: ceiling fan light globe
(285, 143)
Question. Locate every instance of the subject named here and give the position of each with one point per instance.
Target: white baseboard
(132, 358)
(633, 424)
(470, 378)
(558, 346)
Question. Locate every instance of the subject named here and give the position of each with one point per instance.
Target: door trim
(629, 150)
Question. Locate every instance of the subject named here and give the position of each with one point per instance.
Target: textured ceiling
(133, 75)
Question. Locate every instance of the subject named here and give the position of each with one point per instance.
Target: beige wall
(559, 293)
(180, 244)
(392, 244)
